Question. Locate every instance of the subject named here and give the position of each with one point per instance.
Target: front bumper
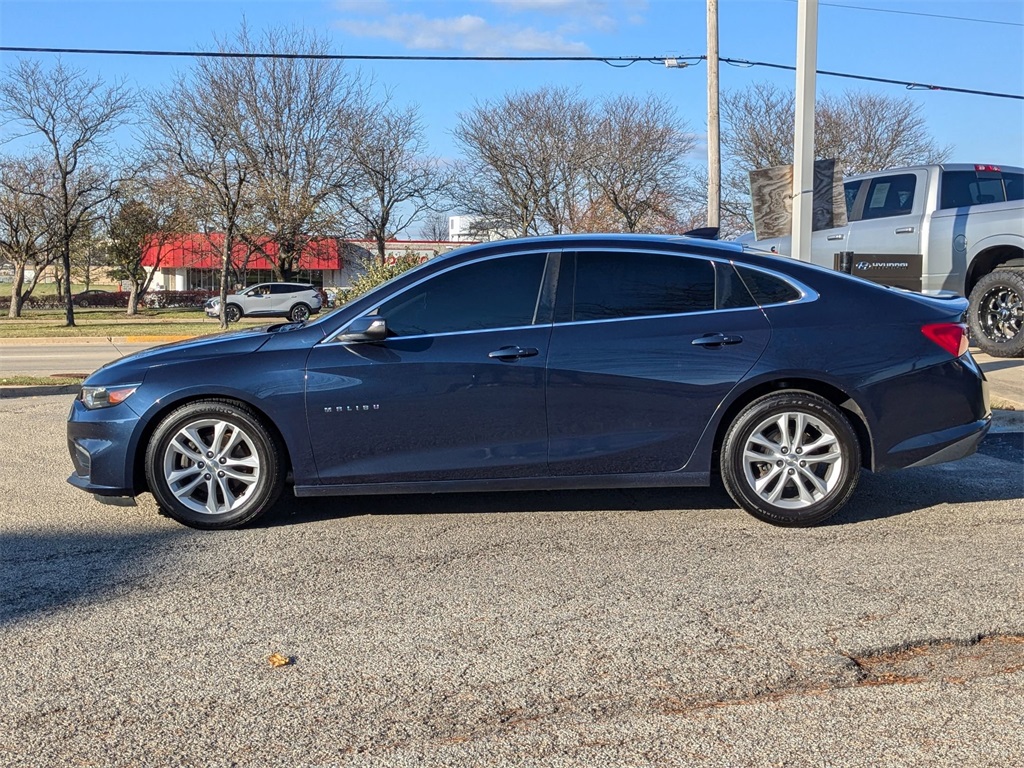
(101, 444)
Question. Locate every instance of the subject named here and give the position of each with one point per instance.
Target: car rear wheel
(213, 464)
(233, 313)
(299, 313)
(790, 459)
(996, 313)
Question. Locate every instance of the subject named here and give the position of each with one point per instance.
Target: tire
(761, 463)
(229, 436)
(83, 303)
(299, 313)
(996, 313)
(233, 313)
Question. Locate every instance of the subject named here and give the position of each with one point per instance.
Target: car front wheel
(790, 459)
(213, 464)
(233, 313)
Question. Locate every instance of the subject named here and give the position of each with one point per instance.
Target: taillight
(952, 337)
(987, 168)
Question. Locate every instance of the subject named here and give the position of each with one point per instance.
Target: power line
(919, 13)
(619, 61)
(910, 85)
(615, 61)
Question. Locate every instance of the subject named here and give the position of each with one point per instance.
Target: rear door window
(612, 285)
(890, 196)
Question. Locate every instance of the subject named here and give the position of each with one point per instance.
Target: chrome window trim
(807, 294)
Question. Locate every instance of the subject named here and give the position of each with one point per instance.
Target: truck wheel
(996, 313)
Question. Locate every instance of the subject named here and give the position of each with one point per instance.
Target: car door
(455, 392)
(886, 241)
(257, 300)
(645, 347)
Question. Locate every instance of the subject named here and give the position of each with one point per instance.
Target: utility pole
(714, 141)
(803, 140)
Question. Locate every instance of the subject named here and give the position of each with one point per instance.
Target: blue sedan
(596, 361)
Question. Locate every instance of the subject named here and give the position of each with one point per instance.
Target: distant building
(193, 261)
(473, 229)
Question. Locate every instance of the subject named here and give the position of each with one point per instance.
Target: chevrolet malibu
(596, 361)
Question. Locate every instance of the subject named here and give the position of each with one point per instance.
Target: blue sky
(893, 41)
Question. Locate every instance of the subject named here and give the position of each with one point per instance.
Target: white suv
(296, 301)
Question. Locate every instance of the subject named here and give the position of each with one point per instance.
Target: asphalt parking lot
(652, 628)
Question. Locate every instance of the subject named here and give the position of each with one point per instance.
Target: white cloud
(468, 33)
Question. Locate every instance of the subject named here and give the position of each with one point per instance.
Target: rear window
(767, 289)
(965, 188)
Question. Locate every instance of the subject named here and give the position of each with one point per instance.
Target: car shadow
(46, 572)
(291, 510)
(878, 496)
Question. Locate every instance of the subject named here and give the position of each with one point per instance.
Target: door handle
(512, 353)
(904, 230)
(835, 237)
(716, 340)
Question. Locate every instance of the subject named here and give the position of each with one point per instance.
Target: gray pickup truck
(931, 228)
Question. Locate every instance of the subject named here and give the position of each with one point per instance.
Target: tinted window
(964, 188)
(1014, 185)
(851, 189)
(732, 293)
(890, 196)
(767, 289)
(498, 293)
(613, 285)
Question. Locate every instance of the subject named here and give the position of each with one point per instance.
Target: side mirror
(366, 328)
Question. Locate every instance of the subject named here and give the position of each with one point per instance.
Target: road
(625, 629)
(46, 359)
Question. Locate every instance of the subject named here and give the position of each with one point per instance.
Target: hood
(133, 368)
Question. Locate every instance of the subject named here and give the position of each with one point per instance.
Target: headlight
(104, 397)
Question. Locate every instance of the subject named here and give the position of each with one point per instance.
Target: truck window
(965, 188)
(890, 196)
(851, 188)
(1014, 185)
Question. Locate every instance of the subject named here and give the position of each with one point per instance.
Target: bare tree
(863, 131)
(395, 182)
(638, 168)
(74, 118)
(289, 119)
(435, 227)
(27, 231)
(189, 137)
(524, 160)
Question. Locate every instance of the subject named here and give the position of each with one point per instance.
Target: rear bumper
(946, 425)
(947, 445)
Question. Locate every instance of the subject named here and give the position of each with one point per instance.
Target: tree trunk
(133, 300)
(17, 300)
(225, 266)
(69, 305)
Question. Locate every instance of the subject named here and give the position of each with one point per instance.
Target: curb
(38, 390)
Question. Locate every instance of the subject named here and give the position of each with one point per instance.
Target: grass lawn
(49, 323)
